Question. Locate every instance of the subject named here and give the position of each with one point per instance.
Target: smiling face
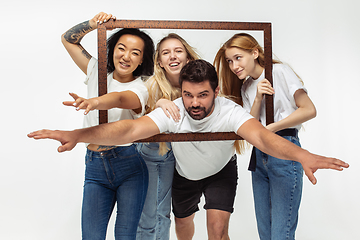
(128, 55)
(172, 58)
(198, 98)
(242, 63)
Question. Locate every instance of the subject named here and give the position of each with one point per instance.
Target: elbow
(313, 112)
(309, 112)
(63, 40)
(66, 41)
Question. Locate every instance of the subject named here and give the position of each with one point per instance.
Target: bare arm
(263, 87)
(276, 146)
(306, 111)
(71, 39)
(116, 133)
(125, 100)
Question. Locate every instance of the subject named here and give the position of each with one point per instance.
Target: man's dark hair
(147, 66)
(197, 71)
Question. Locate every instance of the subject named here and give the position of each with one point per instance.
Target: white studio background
(41, 190)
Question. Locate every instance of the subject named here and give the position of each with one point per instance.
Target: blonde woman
(277, 183)
(172, 53)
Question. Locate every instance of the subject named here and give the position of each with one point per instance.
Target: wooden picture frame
(201, 25)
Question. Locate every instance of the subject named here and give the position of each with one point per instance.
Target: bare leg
(185, 227)
(218, 224)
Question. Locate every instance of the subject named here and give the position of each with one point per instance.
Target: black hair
(147, 66)
(197, 71)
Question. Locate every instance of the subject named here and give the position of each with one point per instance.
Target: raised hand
(82, 103)
(101, 18)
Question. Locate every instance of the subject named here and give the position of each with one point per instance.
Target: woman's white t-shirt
(285, 84)
(115, 114)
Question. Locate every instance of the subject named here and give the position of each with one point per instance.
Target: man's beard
(203, 111)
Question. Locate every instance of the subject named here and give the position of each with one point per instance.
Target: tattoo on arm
(84, 52)
(76, 33)
(104, 148)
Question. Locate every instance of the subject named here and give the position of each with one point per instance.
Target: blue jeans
(118, 176)
(277, 187)
(155, 218)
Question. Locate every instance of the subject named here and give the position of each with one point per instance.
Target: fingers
(174, 112)
(65, 147)
(64, 137)
(73, 103)
(331, 163)
(337, 164)
(78, 103)
(87, 110)
(82, 103)
(341, 163)
(61, 149)
(166, 111)
(69, 103)
(74, 96)
(41, 134)
(265, 81)
(104, 17)
(88, 105)
(310, 176)
(323, 163)
(264, 87)
(169, 108)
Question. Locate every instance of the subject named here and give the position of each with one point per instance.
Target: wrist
(303, 156)
(273, 127)
(93, 24)
(95, 102)
(77, 135)
(258, 99)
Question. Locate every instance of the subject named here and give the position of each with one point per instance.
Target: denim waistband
(114, 151)
(285, 132)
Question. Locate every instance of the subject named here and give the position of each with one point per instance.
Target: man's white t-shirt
(198, 160)
(115, 114)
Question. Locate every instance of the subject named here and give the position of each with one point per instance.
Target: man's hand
(66, 138)
(278, 147)
(314, 162)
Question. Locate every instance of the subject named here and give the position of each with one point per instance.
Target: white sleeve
(246, 101)
(92, 71)
(160, 119)
(238, 117)
(142, 93)
(291, 80)
(245, 95)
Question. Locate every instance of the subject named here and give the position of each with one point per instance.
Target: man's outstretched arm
(276, 146)
(116, 133)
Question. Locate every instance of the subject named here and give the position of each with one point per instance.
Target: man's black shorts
(219, 191)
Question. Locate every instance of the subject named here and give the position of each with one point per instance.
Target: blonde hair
(159, 86)
(230, 84)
